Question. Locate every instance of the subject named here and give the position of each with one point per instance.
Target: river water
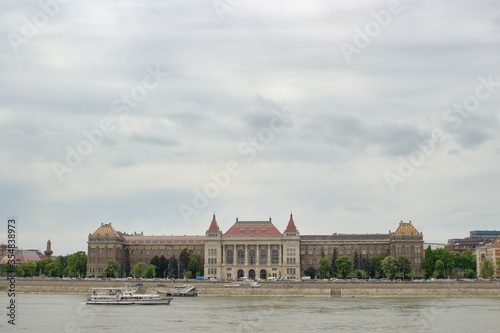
(68, 313)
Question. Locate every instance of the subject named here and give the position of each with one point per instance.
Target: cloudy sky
(353, 115)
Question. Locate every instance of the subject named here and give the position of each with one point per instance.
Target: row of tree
(441, 263)
(188, 265)
(71, 265)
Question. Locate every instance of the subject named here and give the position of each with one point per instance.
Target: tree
(404, 266)
(183, 262)
(172, 268)
(53, 268)
(139, 269)
(375, 265)
(150, 271)
(333, 266)
(126, 262)
(77, 264)
(112, 269)
(195, 266)
(156, 262)
(428, 262)
(356, 260)
(324, 268)
(344, 266)
(486, 269)
(389, 266)
(42, 264)
(162, 269)
(360, 274)
(62, 263)
(438, 269)
(27, 269)
(310, 272)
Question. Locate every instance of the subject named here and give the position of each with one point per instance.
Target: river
(69, 313)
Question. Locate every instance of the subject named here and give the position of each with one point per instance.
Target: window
(417, 261)
(310, 262)
(252, 256)
(302, 251)
(241, 257)
(372, 251)
(162, 252)
(302, 262)
(230, 257)
(348, 251)
(341, 252)
(169, 252)
(318, 252)
(407, 249)
(109, 250)
(140, 252)
(274, 257)
(417, 250)
(155, 252)
(147, 252)
(263, 256)
(176, 252)
(310, 251)
(398, 250)
(363, 251)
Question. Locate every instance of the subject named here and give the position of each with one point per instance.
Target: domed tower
(48, 252)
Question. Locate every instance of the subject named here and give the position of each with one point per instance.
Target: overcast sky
(153, 115)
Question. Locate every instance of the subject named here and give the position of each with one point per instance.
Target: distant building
(21, 255)
(253, 249)
(477, 239)
(492, 251)
(434, 246)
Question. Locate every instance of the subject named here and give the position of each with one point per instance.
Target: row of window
(212, 261)
(212, 251)
(408, 249)
(316, 261)
(290, 271)
(319, 252)
(161, 252)
(101, 250)
(212, 271)
(252, 257)
(290, 261)
(291, 251)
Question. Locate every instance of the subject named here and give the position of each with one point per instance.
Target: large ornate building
(253, 249)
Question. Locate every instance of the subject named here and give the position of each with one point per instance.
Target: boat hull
(130, 302)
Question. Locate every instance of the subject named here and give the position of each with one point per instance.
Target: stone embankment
(272, 289)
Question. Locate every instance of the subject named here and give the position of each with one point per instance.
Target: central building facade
(253, 249)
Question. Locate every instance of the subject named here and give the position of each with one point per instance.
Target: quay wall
(206, 289)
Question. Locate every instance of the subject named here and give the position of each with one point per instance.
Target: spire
(214, 227)
(48, 252)
(291, 225)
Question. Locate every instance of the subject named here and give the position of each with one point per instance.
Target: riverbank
(273, 289)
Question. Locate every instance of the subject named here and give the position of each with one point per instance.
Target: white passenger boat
(124, 296)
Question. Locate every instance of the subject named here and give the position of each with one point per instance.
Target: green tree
(8, 267)
(163, 267)
(150, 271)
(77, 264)
(156, 262)
(486, 269)
(310, 272)
(183, 262)
(344, 266)
(324, 268)
(172, 268)
(439, 270)
(139, 269)
(27, 269)
(389, 266)
(360, 274)
(195, 266)
(428, 262)
(63, 264)
(53, 268)
(356, 260)
(112, 269)
(41, 265)
(333, 265)
(126, 262)
(404, 267)
(375, 265)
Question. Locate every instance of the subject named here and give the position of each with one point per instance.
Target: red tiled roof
(253, 228)
(214, 227)
(105, 230)
(291, 225)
